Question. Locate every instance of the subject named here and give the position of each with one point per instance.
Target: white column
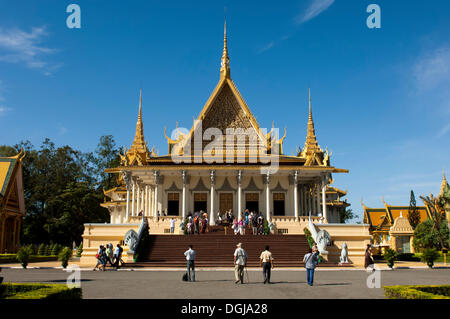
(239, 194)
(146, 200)
(133, 197)
(156, 174)
(211, 215)
(183, 200)
(143, 200)
(153, 202)
(301, 201)
(267, 181)
(138, 200)
(310, 201)
(127, 180)
(295, 195)
(316, 187)
(324, 199)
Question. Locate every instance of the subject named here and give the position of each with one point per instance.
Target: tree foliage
(63, 189)
(347, 215)
(413, 213)
(426, 236)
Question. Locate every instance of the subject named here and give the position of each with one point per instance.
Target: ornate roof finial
(311, 146)
(443, 185)
(139, 140)
(225, 62)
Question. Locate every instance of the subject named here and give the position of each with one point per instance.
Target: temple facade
(242, 167)
(226, 162)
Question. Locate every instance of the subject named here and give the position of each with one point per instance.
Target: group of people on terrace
(251, 222)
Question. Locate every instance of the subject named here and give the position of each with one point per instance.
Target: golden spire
(312, 151)
(444, 184)
(225, 61)
(139, 141)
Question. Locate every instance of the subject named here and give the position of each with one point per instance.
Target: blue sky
(380, 97)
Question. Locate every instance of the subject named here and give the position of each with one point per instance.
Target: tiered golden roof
(312, 152)
(138, 154)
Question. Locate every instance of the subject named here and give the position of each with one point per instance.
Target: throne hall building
(206, 169)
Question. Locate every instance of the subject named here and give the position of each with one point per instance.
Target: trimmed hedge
(11, 258)
(38, 291)
(417, 292)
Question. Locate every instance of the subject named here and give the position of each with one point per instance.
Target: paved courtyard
(289, 284)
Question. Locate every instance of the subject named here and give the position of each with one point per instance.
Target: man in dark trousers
(190, 257)
(266, 261)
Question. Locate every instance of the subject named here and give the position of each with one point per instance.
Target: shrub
(426, 236)
(49, 250)
(64, 256)
(309, 237)
(80, 250)
(56, 249)
(39, 291)
(23, 255)
(417, 292)
(390, 256)
(41, 250)
(429, 255)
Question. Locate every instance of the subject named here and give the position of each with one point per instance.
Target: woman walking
(368, 260)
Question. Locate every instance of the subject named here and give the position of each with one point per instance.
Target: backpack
(185, 277)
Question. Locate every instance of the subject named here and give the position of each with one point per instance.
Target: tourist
(109, 254)
(103, 258)
(240, 261)
(172, 225)
(266, 261)
(311, 259)
(250, 219)
(196, 224)
(246, 217)
(235, 226)
(99, 257)
(189, 225)
(204, 224)
(117, 255)
(260, 224)
(368, 260)
(190, 257)
(242, 227)
(255, 225)
(219, 218)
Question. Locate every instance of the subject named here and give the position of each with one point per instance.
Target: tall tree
(347, 215)
(63, 189)
(413, 213)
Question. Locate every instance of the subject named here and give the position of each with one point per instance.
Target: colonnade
(142, 199)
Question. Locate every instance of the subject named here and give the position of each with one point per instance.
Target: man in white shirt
(172, 225)
(240, 261)
(190, 257)
(266, 261)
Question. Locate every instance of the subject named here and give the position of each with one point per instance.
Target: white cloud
(315, 8)
(4, 110)
(17, 46)
(433, 69)
(444, 130)
(267, 47)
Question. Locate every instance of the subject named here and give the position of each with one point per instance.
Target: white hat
(239, 245)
